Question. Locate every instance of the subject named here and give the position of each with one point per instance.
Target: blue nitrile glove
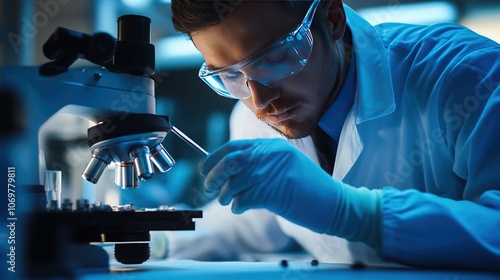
(273, 174)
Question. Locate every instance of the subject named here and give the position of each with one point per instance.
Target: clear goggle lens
(277, 62)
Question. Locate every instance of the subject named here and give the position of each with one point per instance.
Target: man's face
(295, 104)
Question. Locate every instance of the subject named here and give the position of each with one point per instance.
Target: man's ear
(336, 15)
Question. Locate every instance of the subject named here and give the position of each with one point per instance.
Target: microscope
(61, 239)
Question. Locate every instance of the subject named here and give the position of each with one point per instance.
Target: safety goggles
(268, 66)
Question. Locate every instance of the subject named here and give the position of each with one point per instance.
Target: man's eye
(231, 75)
(276, 56)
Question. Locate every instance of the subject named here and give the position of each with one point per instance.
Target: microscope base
(67, 243)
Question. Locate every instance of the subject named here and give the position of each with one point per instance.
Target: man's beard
(291, 131)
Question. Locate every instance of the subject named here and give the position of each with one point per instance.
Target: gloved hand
(273, 174)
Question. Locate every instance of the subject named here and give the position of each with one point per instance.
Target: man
(401, 120)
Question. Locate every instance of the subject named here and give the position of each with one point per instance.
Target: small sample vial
(53, 188)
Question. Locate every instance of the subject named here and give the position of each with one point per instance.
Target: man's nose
(262, 95)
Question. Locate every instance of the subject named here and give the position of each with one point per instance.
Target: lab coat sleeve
(424, 229)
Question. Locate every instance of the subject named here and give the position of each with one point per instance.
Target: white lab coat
(422, 119)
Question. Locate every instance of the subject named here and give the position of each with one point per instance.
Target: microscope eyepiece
(65, 46)
(134, 52)
(134, 28)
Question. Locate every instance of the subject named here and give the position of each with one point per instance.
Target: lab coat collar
(333, 119)
(375, 94)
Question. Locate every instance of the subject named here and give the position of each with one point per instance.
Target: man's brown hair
(189, 16)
